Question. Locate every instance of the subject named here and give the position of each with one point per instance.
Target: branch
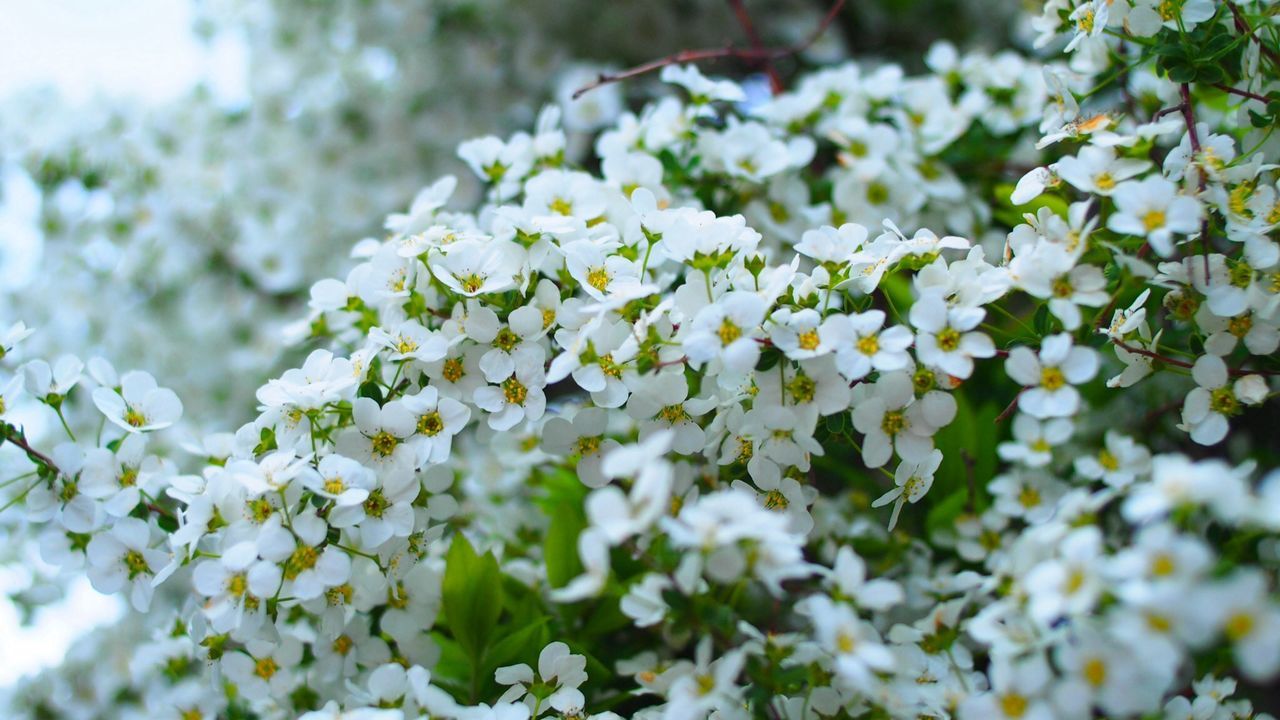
(1243, 27)
(761, 54)
(744, 19)
(1189, 116)
(1184, 364)
(17, 437)
(1241, 93)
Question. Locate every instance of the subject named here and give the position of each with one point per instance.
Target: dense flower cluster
(720, 430)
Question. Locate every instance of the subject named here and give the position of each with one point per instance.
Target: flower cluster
(814, 406)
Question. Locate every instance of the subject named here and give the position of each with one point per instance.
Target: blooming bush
(888, 396)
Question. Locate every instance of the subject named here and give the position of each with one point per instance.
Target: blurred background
(174, 174)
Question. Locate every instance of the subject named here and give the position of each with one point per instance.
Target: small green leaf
(472, 597)
(560, 548)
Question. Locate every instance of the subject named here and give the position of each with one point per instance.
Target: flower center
(598, 278)
(376, 504)
(1223, 401)
(453, 369)
(808, 340)
(1051, 378)
(1104, 181)
(136, 563)
(587, 445)
(1014, 705)
(430, 424)
(384, 443)
(728, 332)
(673, 414)
(134, 418)
(265, 668)
(869, 345)
(514, 392)
(334, 486)
(471, 283)
(893, 423)
(303, 558)
(949, 339)
(802, 389)
(1153, 220)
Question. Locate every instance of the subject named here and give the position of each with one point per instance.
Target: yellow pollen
(265, 668)
(514, 392)
(334, 486)
(893, 423)
(775, 500)
(808, 340)
(304, 558)
(1013, 705)
(1162, 565)
(673, 414)
(560, 206)
(133, 418)
(1104, 181)
(1094, 672)
(548, 317)
(1051, 378)
(728, 332)
(384, 443)
(471, 283)
(869, 344)
(1239, 626)
(949, 339)
(587, 445)
(237, 585)
(404, 345)
(1240, 325)
(453, 370)
(136, 564)
(343, 644)
(598, 278)
(430, 424)
(845, 642)
(1029, 497)
(1108, 461)
(1153, 220)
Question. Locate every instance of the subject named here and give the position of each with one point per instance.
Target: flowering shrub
(822, 406)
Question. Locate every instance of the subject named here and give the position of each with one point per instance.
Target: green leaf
(560, 548)
(472, 597)
(523, 645)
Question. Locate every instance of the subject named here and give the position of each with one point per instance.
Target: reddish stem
(689, 56)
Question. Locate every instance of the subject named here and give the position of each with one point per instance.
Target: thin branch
(1234, 372)
(1241, 93)
(1189, 116)
(744, 19)
(15, 436)
(729, 51)
(1242, 26)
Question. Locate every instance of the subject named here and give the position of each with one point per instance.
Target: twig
(729, 51)
(1234, 372)
(1167, 111)
(1242, 26)
(13, 435)
(1013, 405)
(1241, 93)
(1189, 116)
(744, 19)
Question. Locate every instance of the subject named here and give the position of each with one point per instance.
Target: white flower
(1214, 399)
(1049, 376)
(1152, 208)
(947, 339)
(519, 397)
(861, 346)
(124, 558)
(911, 481)
(727, 330)
(139, 405)
(559, 671)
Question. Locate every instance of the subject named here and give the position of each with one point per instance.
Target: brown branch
(1189, 117)
(762, 54)
(1243, 27)
(1234, 372)
(1241, 93)
(744, 19)
(15, 436)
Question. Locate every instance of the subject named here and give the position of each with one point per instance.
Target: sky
(143, 50)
